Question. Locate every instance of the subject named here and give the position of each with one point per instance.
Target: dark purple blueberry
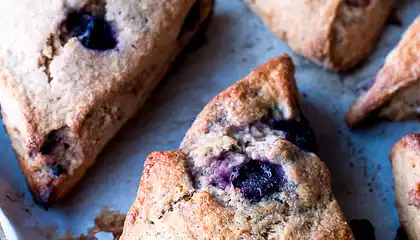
(358, 3)
(222, 167)
(57, 170)
(221, 177)
(401, 234)
(297, 132)
(93, 32)
(362, 229)
(256, 179)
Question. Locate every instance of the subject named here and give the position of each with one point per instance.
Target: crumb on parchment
(108, 221)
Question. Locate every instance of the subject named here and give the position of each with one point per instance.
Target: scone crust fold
(335, 34)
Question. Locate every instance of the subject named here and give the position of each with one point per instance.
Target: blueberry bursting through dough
(256, 179)
(245, 170)
(94, 32)
(73, 74)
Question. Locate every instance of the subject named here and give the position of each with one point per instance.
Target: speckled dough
(394, 94)
(333, 33)
(62, 102)
(180, 196)
(405, 160)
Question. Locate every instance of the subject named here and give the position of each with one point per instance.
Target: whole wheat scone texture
(405, 160)
(238, 173)
(394, 94)
(336, 34)
(63, 97)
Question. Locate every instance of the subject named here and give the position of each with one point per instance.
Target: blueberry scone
(72, 72)
(394, 94)
(245, 170)
(405, 160)
(336, 34)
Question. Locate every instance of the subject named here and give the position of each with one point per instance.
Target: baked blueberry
(256, 179)
(221, 174)
(57, 170)
(297, 132)
(223, 165)
(94, 32)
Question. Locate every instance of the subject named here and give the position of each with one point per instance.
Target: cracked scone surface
(393, 95)
(405, 160)
(239, 173)
(333, 33)
(72, 72)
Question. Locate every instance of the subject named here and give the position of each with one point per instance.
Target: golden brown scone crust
(391, 89)
(336, 34)
(405, 160)
(177, 200)
(66, 117)
(271, 84)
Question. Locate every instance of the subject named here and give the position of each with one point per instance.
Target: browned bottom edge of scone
(46, 194)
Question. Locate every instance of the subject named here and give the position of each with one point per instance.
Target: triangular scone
(394, 95)
(239, 173)
(405, 160)
(336, 33)
(73, 72)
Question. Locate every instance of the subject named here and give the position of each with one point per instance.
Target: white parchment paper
(236, 42)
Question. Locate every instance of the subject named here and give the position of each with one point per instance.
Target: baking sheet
(236, 42)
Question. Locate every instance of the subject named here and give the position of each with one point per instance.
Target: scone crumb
(414, 196)
(109, 221)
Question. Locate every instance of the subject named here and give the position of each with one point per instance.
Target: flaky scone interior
(245, 170)
(76, 71)
(394, 95)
